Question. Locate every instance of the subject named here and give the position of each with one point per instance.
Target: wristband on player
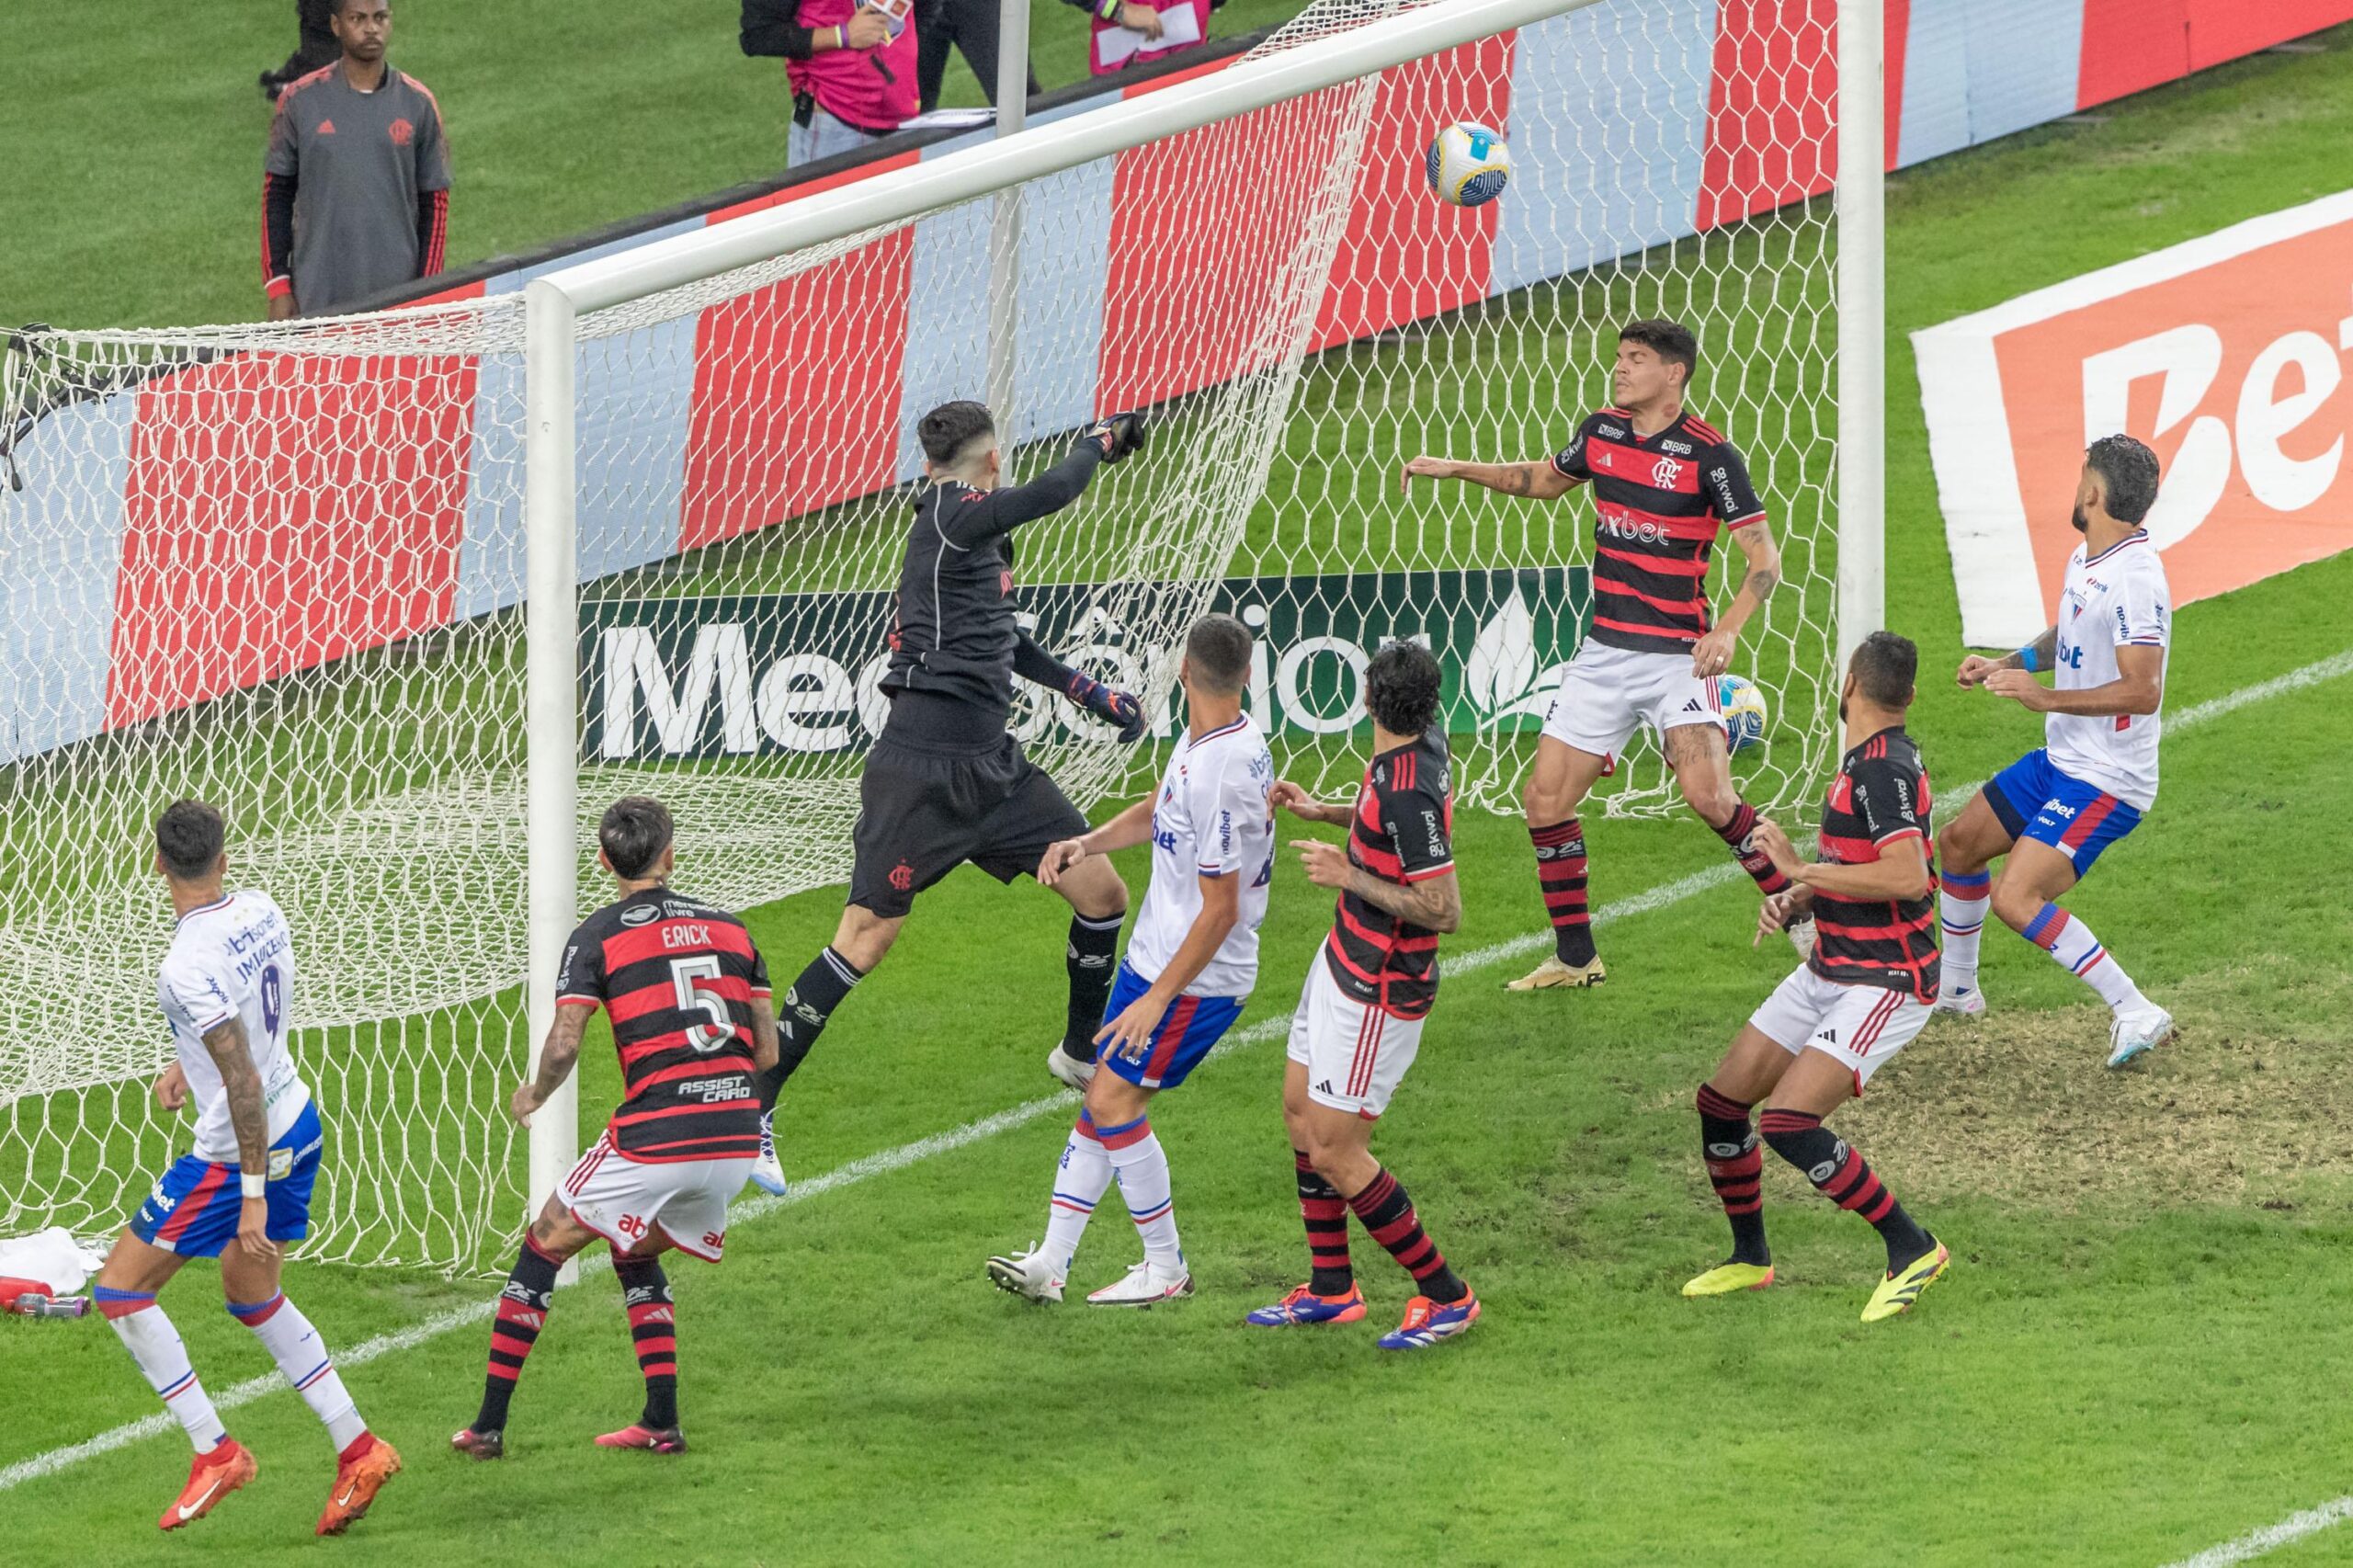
(1108, 10)
(2027, 660)
(252, 1186)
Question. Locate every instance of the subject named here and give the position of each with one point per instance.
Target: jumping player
(1360, 1023)
(946, 782)
(1663, 483)
(1187, 971)
(227, 987)
(2054, 811)
(1860, 998)
(688, 996)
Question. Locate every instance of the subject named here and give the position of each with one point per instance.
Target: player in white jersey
(227, 987)
(2054, 811)
(1189, 968)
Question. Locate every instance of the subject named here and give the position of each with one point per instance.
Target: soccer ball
(1469, 165)
(1743, 707)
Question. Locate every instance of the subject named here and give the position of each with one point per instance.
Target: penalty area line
(886, 1161)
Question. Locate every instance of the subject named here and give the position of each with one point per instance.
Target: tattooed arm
(1536, 481)
(249, 1120)
(1713, 653)
(560, 1050)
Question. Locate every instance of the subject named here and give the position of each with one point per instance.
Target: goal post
(1862, 325)
(994, 170)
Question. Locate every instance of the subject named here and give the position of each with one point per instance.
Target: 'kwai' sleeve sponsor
(1887, 798)
(1569, 461)
(1417, 822)
(580, 978)
(1731, 494)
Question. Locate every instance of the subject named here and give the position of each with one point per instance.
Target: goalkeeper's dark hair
(1670, 340)
(1885, 667)
(189, 837)
(1401, 688)
(1218, 652)
(2128, 472)
(948, 431)
(635, 830)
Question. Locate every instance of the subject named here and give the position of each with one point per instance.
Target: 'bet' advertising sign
(2230, 355)
(797, 674)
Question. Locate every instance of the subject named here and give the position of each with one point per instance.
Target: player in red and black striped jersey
(688, 994)
(1665, 483)
(1360, 1025)
(1860, 997)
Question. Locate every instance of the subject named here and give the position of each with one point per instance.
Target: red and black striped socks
(1736, 1169)
(1389, 1215)
(654, 1326)
(1755, 861)
(522, 1312)
(1560, 873)
(1839, 1173)
(1326, 1213)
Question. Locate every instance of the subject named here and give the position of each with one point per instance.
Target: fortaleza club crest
(799, 675)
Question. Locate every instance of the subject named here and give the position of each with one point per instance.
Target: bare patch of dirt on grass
(2254, 1094)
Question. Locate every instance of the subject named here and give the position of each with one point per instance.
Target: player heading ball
(946, 782)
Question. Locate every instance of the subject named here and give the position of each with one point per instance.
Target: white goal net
(283, 567)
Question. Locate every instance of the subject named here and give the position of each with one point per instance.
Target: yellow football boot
(1726, 1277)
(1898, 1292)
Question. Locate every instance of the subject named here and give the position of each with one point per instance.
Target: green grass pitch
(2135, 1356)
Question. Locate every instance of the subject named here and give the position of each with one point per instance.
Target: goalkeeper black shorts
(922, 813)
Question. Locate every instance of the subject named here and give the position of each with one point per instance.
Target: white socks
(1079, 1184)
(1963, 904)
(2071, 941)
(155, 1345)
(1142, 1166)
(288, 1336)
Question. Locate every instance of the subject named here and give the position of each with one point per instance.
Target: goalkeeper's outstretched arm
(1104, 441)
(1536, 481)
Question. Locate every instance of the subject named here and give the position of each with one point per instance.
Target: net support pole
(1862, 325)
(551, 709)
(1005, 220)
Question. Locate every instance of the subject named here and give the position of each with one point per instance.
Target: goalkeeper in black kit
(946, 782)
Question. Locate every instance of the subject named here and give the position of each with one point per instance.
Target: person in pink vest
(851, 63)
(1134, 32)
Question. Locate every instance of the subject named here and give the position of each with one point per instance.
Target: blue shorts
(2036, 801)
(193, 1210)
(1186, 1030)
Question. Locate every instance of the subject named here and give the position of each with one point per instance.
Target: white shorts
(621, 1199)
(1355, 1053)
(1861, 1025)
(1607, 692)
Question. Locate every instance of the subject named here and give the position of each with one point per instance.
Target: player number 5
(684, 973)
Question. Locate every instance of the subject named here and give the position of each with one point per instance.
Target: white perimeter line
(2254, 1544)
(888, 1160)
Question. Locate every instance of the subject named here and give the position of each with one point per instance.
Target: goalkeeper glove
(1119, 436)
(1113, 706)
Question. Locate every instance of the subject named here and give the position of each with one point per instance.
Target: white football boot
(1143, 1286)
(767, 1173)
(1029, 1275)
(1967, 1001)
(2135, 1031)
(1069, 1068)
